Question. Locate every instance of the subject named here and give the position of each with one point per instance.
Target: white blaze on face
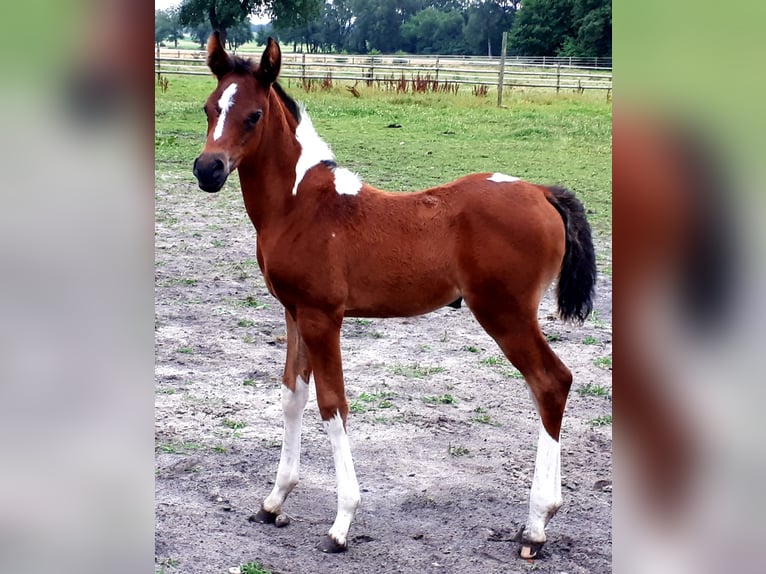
(225, 102)
(502, 178)
(348, 487)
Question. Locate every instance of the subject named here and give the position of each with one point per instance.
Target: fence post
(558, 77)
(437, 69)
(158, 62)
(501, 74)
(303, 67)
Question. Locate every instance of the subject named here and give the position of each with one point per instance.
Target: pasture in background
(412, 141)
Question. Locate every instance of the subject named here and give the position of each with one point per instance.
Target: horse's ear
(271, 62)
(218, 60)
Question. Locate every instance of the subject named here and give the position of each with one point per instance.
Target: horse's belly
(400, 298)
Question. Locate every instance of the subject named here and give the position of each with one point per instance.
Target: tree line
(579, 28)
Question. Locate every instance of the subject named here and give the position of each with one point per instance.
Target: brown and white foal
(330, 246)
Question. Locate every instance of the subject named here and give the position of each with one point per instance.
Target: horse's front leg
(295, 392)
(321, 332)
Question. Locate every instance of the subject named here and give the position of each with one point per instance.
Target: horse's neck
(267, 175)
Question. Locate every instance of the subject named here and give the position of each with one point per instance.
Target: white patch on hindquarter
(545, 495)
(225, 103)
(348, 487)
(313, 149)
(346, 182)
(502, 178)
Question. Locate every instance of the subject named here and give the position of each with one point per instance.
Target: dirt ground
(442, 430)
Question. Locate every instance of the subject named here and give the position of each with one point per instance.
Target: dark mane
(289, 103)
(247, 66)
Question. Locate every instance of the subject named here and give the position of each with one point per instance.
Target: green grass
(540, 137)
(416, 370)
(589, 340)
(457, 450)
(591, 390)
(233, 425)
(603, 362)
(253, 568)
(380, 399)
(601, 421)
(445, 399)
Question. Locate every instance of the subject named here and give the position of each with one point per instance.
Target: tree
(541, 27)
(378, 24)
(485, 24)
(201, 32)
(593, 23)
(167, 26)
(239, 34)
(223, 15)
(432, 31)
(563, 27)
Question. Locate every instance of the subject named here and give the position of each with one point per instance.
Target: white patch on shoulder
(347, 182)
(313, 149)
(225, 102)
(502, 178)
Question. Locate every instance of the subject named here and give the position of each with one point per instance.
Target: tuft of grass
(591, 390)
(603, 362)
(245, 323)
(233, 425)
(253, 303)
(601, 421)
(416, 370)
(589, 340)
(552, 337)
(253, 568)
(457, 450)
(471, 349)
(185, 350)
(179, 448)
(380, 399)
(249, 383)
(445, 399)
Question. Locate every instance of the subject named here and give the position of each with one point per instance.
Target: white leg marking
(225, 103)
(545, 496)
(348, 487)
(293, 404)
(346, 182)
(313, 149)
(502, 178)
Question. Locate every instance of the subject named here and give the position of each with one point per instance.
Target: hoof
(264, 517)
(329, 546)
(282, 521)
(529, 550)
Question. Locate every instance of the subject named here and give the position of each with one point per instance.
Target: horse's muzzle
(211, 171)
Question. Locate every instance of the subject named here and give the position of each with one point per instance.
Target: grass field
(540, 137)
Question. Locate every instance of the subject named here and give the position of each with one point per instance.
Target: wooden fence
(552, 73)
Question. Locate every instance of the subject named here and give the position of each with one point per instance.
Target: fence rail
(552, 73)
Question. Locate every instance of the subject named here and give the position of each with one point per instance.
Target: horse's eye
(253, 118)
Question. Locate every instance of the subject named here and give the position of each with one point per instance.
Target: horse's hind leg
(519, 336)
(295, 392)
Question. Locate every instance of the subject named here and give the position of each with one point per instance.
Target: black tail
(577, 279)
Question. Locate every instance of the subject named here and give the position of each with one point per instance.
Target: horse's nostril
(218, 165)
